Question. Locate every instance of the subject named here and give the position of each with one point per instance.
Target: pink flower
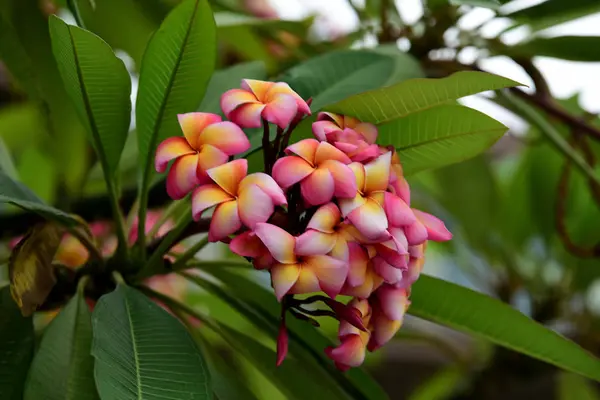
(298, 271)
(355, 138)
(362, 279)
(321, 170)
(282, 343)
(208, 142)
(365, 210)
(398, 184)
(274, 102)
(388, 314)
(353, 341)
(247, 244)
(239, 199)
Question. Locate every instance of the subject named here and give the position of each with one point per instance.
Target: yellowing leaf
(30, 267)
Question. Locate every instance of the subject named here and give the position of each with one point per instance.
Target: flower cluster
(332, 216)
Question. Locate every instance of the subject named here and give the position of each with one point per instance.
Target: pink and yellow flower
(321, 170)
(299, 271)
(240, 199)
(389, 308)
(256, 101)
(365, 210)
(247, 244)
(355, 138)
(208, 142)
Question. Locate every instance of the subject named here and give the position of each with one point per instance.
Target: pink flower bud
(282, 343)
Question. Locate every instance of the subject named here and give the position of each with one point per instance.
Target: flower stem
(166, 243)
(189, 254)
(266, 144)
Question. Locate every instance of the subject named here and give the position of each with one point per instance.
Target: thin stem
(85, 241)
(189, 254)
(317, 313)
(82, 283)
(175, 207)
(166, 243)
(266, 144)
(118, 278)
(122, 248)
(133, 211)
(278, 151)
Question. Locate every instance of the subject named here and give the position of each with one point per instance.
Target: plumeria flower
(239, 199)
(353, 341)
(247, 244)
(355, 138)
(256, 101)
(208, 142)
(299, 271)
(398, 184)
(388, 314)
(321, 170)
(365, 210)
(362, 279)
(415, 266)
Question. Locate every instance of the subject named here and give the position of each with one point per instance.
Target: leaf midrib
(441, 139)
(136, 358)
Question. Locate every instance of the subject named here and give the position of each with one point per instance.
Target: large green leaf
(463, 309)
(404, 98)
(334, 76)
(229, 78)
(63, 368)
(440, 136)
(7, 165)
(575, 48)
(19, 195)
(16, 347)
(554, 12)
(176, 68)
(142, 352)
(306, 342)
(99, 86)
(38, 172)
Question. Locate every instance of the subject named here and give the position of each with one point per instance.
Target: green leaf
(7, 165)
(38, 172)
(16, 347)
(229, 78)
(19, 195)
(554, 12)
(574, 48)
(99, 86)
(440, 386)
(440, 136)
(334, 76)
(571, 386)
(463, 309)
(404, 98)
(63, 368)
(176, 68)
(142, 352)
(493, 4)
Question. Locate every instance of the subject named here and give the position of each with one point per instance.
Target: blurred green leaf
(440, 386)
(229, 78)
(460, 308)
(494, 4)
(19, 195)
(554, 12)
(142, 352)
(440, 136)
(6, 162)
(63, 367)
(574, 48)
(404, 98)
(16, 347)
(38, 172)
(99, 86)
(571, 387)
(176, 69)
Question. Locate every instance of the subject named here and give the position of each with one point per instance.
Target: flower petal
(400, 188)
(368, 131)
(247, 244)
(349, 205)
(225, 221)
(307, 282)
(383, 331)
(283, 278)
(393, 301)
(330, 272)
(436, 230)
(192, 124)
(279, 88)
(228, 176)
(207, 196)
(358, 261)
(377, 173)
(267, 184)
(226, 136)
(314, 242)
(279, 242)
(416, 233)
(394, 255)
(359, 175)
(326, 151)
(232, 99)
(326, 218)
(322, 128)
(343, 178)
(318, 188)
(340, 248)
(290, 170)
(415, 266)
(397, 211)
(248, 115)
(258, 88)
(329, 116)
(370, 220)
(182, 177)
(281, 110)
(254, 206)
(209, 157)
(389, 274)
(351, 352)
(168, 150)
(306, 149)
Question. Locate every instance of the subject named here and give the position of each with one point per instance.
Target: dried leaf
(30, 266)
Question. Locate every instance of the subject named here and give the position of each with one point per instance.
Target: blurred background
(526, 223)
